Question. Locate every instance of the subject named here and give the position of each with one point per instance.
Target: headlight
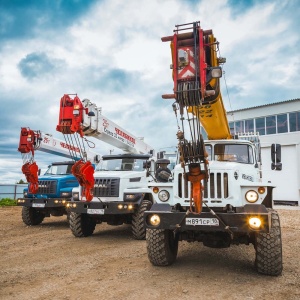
(163, 195)
(66, 194)
(75, 196)
(251, 196)
(154, 220)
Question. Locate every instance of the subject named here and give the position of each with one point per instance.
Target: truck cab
(237, 208)
(54, 189)
(120, 195)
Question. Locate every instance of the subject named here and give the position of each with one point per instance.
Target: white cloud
(260, 45)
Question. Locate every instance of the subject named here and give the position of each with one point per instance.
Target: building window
(239, 127)
(282, 124)
(231, 127)
(249, 125)
(271, 124)
(294, 119)
(260, 126)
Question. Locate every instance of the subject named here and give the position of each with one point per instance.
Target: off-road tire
(81, 225)
(31, 216)
(268, 247)
(138, 224)
(162, 246)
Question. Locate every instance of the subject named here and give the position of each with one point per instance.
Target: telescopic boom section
(70, 123)
(29, 141)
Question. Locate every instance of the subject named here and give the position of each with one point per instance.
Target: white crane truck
(218, 195)
(119, 191)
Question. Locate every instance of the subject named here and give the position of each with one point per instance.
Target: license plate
(202, 221)
(95, 211)
(38, 204)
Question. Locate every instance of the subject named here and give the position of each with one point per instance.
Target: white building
(276, 123)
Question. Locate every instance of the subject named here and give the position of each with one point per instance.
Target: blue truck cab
(54, 189)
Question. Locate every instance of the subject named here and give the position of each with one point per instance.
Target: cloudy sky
(110, 52)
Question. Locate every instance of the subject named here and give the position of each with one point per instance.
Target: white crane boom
(31, 140)
(96, 125)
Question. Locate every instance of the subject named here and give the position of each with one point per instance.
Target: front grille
(47, 187)
(106, 187)
(217, 186)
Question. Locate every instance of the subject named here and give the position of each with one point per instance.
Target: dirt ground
(48, 262)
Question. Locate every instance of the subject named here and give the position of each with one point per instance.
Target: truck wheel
(81, 225)
(31, 216)
(138, 225)
(162, 246)
(268, 248)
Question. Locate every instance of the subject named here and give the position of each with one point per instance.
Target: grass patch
(8, 202)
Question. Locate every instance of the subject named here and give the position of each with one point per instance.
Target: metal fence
(12, 191)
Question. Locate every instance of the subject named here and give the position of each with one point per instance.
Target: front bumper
(102, 208)
(42, 203)
(236, 222)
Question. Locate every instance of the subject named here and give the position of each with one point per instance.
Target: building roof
(268, 104)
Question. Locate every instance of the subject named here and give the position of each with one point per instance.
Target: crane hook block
(84, 172)
(30, 170)
(70, 115)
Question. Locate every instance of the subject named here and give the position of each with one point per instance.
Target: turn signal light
(155, 190)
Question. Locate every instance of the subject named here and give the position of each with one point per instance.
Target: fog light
(74, 205)
(130, 206)
(155, 220)
(120, 206)
(64, 201)
(255, 223)
(68, 205)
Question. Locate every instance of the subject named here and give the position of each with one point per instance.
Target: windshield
(59, 170)
(125, 164)
(234, 152)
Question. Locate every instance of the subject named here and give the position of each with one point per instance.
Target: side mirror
(276, 157)
(146, 164)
